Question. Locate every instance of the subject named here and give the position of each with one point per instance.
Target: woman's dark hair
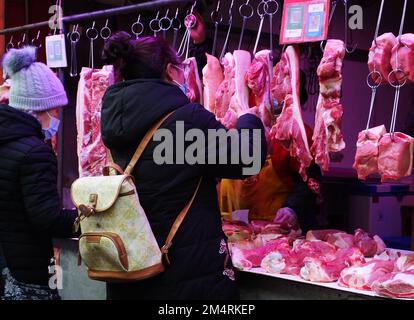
(143, 58)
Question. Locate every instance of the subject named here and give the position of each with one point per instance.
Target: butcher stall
(332, 82)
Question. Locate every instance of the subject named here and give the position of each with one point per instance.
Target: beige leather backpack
(117, 243)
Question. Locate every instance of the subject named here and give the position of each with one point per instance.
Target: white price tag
(319, 7)
(240, 215)
(295, 33)
(56, 51)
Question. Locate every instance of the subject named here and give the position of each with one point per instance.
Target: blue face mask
(53, 128)
(183, 87)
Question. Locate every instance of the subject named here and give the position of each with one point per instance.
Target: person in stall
(200, 43)
(151, 84)
(278, 193)
(30, 212)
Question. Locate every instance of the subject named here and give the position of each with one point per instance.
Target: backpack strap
(180, 218)
(144, 142)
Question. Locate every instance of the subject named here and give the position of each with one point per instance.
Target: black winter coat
(30, 213)
(200, 267)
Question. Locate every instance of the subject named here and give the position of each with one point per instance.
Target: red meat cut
(403, 57)
(362, 277)
(226, 88)
(258, 80)
(405, 263)
(283, 260)
(379, 57)
(366, 157)
(92, 153)
(326, 269)
(212, 78)
(395, 285)
(195, 87)
(369, 246)
(327, 135)
(395, 156)
(289, 130)
(256, 255)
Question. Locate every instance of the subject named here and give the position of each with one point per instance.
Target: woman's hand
(287, 218)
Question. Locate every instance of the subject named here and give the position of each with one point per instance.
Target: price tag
(240, 215)
(304, 21)
(56, 51)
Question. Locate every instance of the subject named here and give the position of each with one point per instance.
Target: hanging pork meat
(227, 87)
(212, 78)
(232, 96)
(258, 80)
(289, 129)
(379, 58)
(395, 156)
(327, 135)
(194, 85)
(403, 57)
(366, 157)
(92, 154)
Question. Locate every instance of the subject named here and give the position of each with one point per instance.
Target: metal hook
(261, 11)
(10, 44)
(378, 22)
(246, 12)
(165, 22)
(334, 3)
(228, 30)
(354, 46)
(271, 8)
(35, 41)
(92, 34)
(21, 43)
(193, 6)
(137, 27)
(106, 32)
(74, 36)
(155, 24)
(176, 25)
(216, 18)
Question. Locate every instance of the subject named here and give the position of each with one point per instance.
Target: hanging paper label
(56, 51)
(304, 21)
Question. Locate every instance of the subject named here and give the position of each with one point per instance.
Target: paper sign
(304, 21)
(56, 51)
(240, 215)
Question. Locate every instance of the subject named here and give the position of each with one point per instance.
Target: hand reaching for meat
(287, 218)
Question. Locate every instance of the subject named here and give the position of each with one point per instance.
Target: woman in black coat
(153, 87)
(30, 212)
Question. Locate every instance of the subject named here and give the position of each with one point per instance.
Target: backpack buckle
(164, 250)
(86, 211)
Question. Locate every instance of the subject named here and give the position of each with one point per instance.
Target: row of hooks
(159, 23)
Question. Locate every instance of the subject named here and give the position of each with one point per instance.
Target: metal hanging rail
(99, 14)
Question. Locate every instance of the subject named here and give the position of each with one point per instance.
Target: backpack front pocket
(103, 251)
